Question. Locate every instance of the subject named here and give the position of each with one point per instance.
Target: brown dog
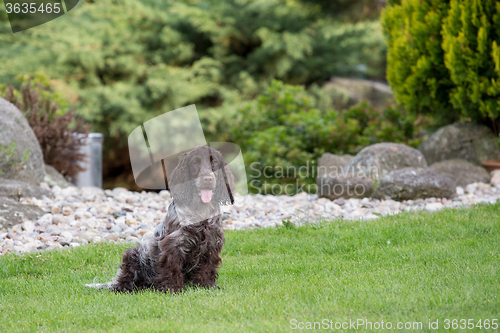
(186, 246)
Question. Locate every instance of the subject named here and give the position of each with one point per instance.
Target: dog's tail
(107, 285)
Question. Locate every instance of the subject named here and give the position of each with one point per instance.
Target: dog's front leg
(206, 274)
(170, 263)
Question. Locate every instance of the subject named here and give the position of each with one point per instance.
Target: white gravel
(79, 216)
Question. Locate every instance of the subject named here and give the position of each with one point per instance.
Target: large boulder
(347, 92)
(15, 189)
(332, 165)
(413, 183)
(53, 177)
(344, 186)
(15, 128)
(12, 212)
(335, 180)
(461, 171)
(471, 142)
(376, 161)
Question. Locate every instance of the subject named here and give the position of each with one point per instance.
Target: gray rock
(348, 186)
(115, 229)
(347, 92)
(53, 230)
(58, 219)
(433, 207)
(332, 165)
(53, 177)
(495, 178)
(340, 201)
(15, 128)
(471, 142)
(15, 189)
(45, 220)
(67, 235)
(28, 226)
(413, 183)
(113, 236)
(461, 171)
(12, 212)
(377, 160)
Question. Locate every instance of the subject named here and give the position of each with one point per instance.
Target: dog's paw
(107, 285)
(170, 289)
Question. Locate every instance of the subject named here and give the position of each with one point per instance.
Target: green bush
(129, 61)
(444, 59)
(283, 133)
(415, 66)
(471, 42)
(123, 62)
(52, 120)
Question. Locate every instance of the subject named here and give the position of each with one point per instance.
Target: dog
(185, 248)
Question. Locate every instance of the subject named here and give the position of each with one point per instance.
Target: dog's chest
(188, 217)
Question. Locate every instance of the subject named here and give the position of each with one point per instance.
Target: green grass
(409, 267)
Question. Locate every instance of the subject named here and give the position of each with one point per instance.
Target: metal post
(92, 176)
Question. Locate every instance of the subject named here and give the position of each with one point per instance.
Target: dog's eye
(195, 162)
(214, 162)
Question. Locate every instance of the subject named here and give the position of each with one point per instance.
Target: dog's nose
(208, 179)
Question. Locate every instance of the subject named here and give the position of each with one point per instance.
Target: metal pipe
(92, 176)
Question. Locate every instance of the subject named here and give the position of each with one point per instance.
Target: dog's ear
(225, 189)
(178, 182)
(180, 173)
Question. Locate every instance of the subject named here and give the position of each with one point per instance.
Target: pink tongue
(206, 195)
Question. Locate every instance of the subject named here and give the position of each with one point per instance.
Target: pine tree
(444, 58)
(415, 59)
(471, 41)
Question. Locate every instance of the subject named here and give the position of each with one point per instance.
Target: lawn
(407, 268)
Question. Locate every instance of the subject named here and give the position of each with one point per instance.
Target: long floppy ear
(225, 189)
(179, 182)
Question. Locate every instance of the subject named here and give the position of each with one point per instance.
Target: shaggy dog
(185, 248)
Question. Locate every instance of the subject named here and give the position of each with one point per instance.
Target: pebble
(58, 219)
(434, 206)
(28, 227)
(67, 211)
(77, 216)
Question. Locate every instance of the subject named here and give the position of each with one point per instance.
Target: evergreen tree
(471, 41)
(444, 57)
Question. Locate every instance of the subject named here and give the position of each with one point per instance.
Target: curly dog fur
(185, 248)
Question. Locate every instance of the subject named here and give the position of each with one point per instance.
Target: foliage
(9, 160)
(471, 42)
(60, 135)
(348, 10)
(128, 61)
(269, 276)
(444, 59)
(415, 66)
(284, 133)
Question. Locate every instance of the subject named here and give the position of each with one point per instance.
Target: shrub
(444, 59)
(284, 133)
(129, 61)
(59, 133)
(415, 66)
(471, 43)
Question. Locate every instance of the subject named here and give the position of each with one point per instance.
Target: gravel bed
(77, 216)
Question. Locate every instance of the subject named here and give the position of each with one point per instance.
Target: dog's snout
(208, 179)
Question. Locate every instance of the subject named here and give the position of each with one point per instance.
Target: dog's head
(202, 176)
